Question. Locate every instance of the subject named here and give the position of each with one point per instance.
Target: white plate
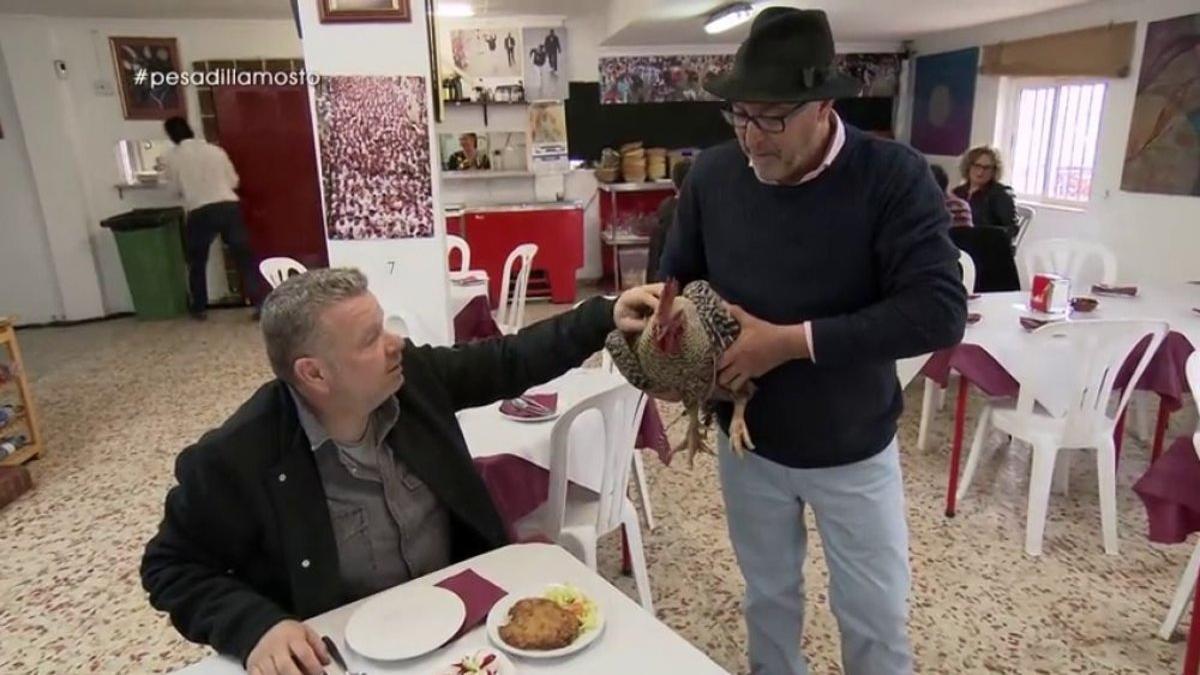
(405, 622)
(499, 617)
(544, 418)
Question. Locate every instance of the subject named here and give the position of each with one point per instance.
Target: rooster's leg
(739, 435)
(693, 441)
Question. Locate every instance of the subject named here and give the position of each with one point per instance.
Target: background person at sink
(207, 180)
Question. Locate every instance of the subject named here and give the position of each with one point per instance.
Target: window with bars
(1053, 132)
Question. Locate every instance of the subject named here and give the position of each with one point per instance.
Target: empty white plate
(405, 622)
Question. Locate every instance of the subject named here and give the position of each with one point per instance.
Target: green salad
(576, 602)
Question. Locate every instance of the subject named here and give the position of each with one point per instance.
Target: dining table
(631, 641)
(997, 352)
(513, 456)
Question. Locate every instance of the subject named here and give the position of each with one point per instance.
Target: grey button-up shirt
(388, 525)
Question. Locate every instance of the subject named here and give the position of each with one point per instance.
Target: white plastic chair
(511, 315)
(639, 466)
(1025, 215)
(1101, 348)
(457, 243)
(1068, 258)
(1187, 584)
(277, 270)
(574, 517)
(934, 396)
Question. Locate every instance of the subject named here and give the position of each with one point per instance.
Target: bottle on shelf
(11, 444)
(8, 413)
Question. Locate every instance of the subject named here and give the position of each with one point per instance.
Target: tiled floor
(119, 399)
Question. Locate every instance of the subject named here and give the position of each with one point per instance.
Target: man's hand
(289, 648)
(635, 306)
(760, 348)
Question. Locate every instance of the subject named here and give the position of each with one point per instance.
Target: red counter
(494, 231)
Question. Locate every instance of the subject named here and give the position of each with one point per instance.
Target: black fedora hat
(788, 57)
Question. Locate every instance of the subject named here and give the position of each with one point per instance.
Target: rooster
(677, 355)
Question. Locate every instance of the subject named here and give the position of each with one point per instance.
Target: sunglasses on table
(771, 124)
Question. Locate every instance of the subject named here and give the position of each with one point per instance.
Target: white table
(1001, 335)
(462, 295)
(489, 433)
(633, 641)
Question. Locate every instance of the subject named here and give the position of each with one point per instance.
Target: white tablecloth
(1000, 333)
(461, 295)
(633, 641)
(489, 433)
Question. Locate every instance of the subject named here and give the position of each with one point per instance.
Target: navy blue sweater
(862, 251)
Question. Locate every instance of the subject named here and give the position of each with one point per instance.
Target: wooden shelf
(22, 455)
(13, 421)
(8, 340)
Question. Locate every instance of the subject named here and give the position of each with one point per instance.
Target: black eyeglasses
(771, 124)
(983, 167)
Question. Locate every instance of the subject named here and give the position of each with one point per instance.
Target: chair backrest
(1193, 378)
(277, 270)
(991, 251)
(620, 410)
(967, 264)
(1068, 258)
(511, 315)
(1100, 350)
(1025, 214)
(457, 243)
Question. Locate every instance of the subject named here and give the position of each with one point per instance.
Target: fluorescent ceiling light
(455, 9)
(728, 17)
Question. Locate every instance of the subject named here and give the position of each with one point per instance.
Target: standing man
(553, 47)
(510, 46)
(831, 247)
(206, 178)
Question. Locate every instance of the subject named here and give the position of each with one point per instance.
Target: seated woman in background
(960, 210)
(666, 216)
(991, 201)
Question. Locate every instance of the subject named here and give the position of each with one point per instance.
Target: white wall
(1156, 237)
(71, 132)
(28, 287)
(407, 275)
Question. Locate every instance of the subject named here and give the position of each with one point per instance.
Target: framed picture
(364, 11)
(139, 61)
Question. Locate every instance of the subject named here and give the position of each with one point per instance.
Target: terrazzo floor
(119, 399)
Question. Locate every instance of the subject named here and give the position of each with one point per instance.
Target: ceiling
(682, 21)
(647, 22)
(254, 9)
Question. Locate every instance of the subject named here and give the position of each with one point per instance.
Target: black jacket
(992, 206)
(246, 540)
(658, 237)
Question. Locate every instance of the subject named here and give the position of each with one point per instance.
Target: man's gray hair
(291, 312)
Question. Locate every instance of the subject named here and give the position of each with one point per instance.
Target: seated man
(347, 474)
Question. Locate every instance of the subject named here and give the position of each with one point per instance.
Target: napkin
(478, 595)
(974, 317)
(1107, 289)
(468, 280)
(547, 401)
(1031, 323)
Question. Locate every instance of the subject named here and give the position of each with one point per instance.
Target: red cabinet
(557, 229)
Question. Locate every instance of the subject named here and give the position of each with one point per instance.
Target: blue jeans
(859, 511)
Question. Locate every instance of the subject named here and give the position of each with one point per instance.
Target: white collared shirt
(202, 172)
(831, 153)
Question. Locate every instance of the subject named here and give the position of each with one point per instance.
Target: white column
(407, 275)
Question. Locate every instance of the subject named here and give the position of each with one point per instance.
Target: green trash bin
(151, 250)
